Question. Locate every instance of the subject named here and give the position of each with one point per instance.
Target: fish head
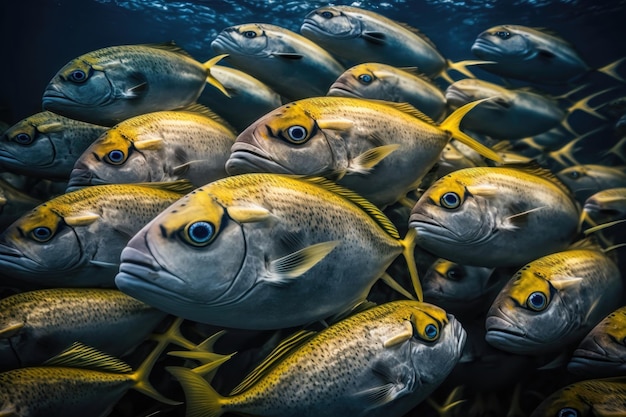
(503, 43)
(449, 217)
(80, 84)
(527, 316)
(330, 23)
(30, 145)
(606, 205)
(248, 40)
(573, 401)
(186, 259)
(113, 158)
(45, 243)
(448, 283)
(467, 90)
(369, 80)
(289, 140)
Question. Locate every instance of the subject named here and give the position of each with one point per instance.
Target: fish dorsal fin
(79, 355)
(419, 33)
(502, 146)
(409, 109)
(415, 71)
(284, 349)
(170, 46)
(182, 186)
(534, 168)
(205, 111)
(588, 243)
(374, 212)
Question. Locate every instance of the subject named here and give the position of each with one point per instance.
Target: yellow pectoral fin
(50, 127)
(335, 124)
(82, 219)
(148, 144)
(402, 336)
(282, 270)
(363, 163)
(248, 214)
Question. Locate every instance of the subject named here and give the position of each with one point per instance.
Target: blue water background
(40, 36)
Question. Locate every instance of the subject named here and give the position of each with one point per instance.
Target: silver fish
(588, 179)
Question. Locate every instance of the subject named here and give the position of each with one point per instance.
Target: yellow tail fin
(202, 399)
(210, 78)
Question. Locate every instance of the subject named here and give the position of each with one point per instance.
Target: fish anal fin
(363, 163)
(282, 270)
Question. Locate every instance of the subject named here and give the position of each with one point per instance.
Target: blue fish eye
(23, 139)
(503, 34)
(366, 78)
(326, 14)
(297, 133)
(116, 157)
(574, 175)
(200, 233)
(249, 34)
(455, 274)
(568, 412)
(78, 76)
(431, 332)
(41, 234)
(450, 200)
(537, 301)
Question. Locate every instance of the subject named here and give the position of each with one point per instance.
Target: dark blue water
(40, 36)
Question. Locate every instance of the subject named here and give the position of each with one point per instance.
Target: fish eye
(23, 139)
(41, 234)
(537, 301)
(503, 34)
(365, 78)
(297, 133)
(574, 175)
(200, 233)
(115, 157)
(450, 200)
(568, 412)
(455, 273)
(249, 34)
(78, 76)
(431, 332)
(326, 14)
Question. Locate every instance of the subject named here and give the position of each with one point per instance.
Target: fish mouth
(226, 44)
(430, 228)
(482, 46)
(505, 335)
(342, 90)
(80, 178)
(245, 158)
(53, 96)
(16, 264)
(584, 362)
(7, 159)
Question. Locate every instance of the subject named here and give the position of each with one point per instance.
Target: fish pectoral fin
(102, 264)
(378, 38)
(81, 219)
(401, 336)
(11, 330)
(248, 214)
(136, 91)
(151, 144)
(515, 221)
(288, 55)
(394, 384)
(282, 270)
(183, 168)
(364, 163)
(564, 282)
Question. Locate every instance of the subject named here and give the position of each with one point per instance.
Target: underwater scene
(313, 208)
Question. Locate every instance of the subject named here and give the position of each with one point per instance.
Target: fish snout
(79, 178)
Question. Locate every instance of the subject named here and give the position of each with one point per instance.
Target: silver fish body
(250, 250)
(495, 216)
(378, 81)
(360, 35)
(37, 325)
(508, 114)
(289, 63)
(587, 179)
(529, 54)
(554, 301)
(46, 145)
(606, 205)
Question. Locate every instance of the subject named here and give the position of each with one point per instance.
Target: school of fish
(335, 221)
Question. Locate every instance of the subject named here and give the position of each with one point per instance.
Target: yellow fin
(602, 226)
(483, 190)
(79, 355)
(461, 66)
(611, 69)
(363, 163)
(374, 212)
(170, 46)
(393, 284)
(297, 263)
(81, 219)
(207, 112)
(565, 282)
(210, 78)
(11, 330)
(534, 168)
(409, 109)
(452, 122)
(281, 351)
(400, 337)
(201, 398)
(408, 251)
(334, 124)
(182, 186)
(50, 127)
(148, 144)
(248, 214)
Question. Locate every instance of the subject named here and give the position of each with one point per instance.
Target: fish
(532, 54)
(379, 149)
(602, 352)
(592, 397)
(358, 35)
(191, 144)
(457, 156)
(108, 85)
(554, 301)
(75, 239)
(605, 207)
(496, 216)
(374, 80)
(38, 325)
(286, 61)
(13, 203)
(298, 250)
(382, 361)
(248, 98)
(46, 145)
(80, 381)
(510, 113)
(459, 288)
(587, 179)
